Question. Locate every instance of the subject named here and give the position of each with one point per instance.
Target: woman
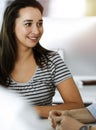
(29, 69)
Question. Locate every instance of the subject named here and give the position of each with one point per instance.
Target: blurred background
(69, 27)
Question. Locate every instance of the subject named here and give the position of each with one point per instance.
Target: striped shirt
(40, 89)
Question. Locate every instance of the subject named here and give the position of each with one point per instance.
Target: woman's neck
(24, 55)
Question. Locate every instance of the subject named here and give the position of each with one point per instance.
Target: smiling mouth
(33, 39)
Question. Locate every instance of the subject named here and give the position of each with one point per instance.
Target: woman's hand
(68, 123)
(55, 117)
(61, 120)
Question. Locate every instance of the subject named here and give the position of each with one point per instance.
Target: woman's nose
(35, 29)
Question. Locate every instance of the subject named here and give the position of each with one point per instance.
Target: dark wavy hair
(8, 46)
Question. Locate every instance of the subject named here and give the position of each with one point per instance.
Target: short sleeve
(59, 69)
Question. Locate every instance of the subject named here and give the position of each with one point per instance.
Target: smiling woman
(28, 68)
(28, 27)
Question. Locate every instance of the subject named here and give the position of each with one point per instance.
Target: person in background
(16, 114)
(28, 68)
(71, 119)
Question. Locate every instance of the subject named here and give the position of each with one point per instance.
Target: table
(46, 124)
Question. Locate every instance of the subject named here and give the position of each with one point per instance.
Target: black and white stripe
(40, 89)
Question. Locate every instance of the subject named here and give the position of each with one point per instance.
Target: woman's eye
(27, 24)
(40, 24)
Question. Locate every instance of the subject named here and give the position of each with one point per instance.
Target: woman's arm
(83, 115)
(70, 96)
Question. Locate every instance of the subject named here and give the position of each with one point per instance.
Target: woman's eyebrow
(41, 20)
(28, 20)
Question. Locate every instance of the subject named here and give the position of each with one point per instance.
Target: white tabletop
(46, 124)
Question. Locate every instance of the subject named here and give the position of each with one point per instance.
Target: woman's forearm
(82, 115)
(43, 111)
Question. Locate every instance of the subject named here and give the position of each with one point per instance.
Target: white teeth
(33, 38)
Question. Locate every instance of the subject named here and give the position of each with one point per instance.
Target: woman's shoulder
(54, 56)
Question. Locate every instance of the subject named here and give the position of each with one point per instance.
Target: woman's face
(28, 27)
